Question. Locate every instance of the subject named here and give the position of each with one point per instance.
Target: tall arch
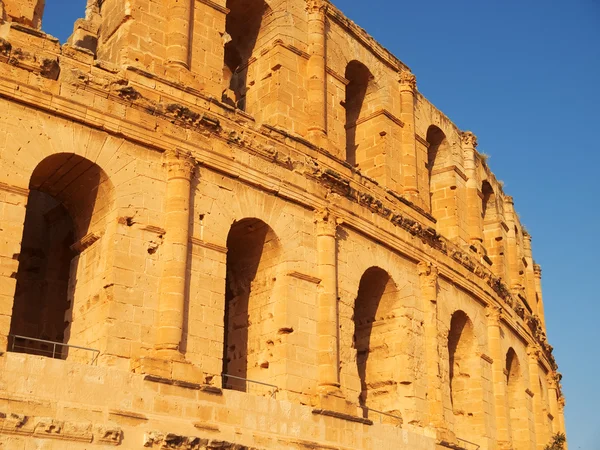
(375, 334)
(463, 374)
(357, 92)
(253, 255)
(69, 200)
(488, 202)
(242, 30)
(438, 157)
(517, 407)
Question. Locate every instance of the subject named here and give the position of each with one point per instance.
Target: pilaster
(474, 203)
(327, 327)
(541, 436)
(428, 277)
(317, 77)
(494, 315)
(408, 87)
(180, 166)
(179, 33)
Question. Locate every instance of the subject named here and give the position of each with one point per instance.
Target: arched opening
(359, 81)
(242, 29)
(438, 157)
(374, 336)
(69, 197)
(488, 202)
(253, 254)
(517, 410)
(463, 373)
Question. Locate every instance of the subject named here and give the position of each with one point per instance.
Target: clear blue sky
(524, 76)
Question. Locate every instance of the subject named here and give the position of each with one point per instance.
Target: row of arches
(70, 201)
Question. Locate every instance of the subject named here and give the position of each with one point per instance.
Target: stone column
(317, 77)
(561, 416)
(408, 87)
(474, 205)
(327, 327)
(428, 276)
(179, 33)
(553, 400)
(514, 279)
(541, 437)
(529, 274)
(494, 314)
(172, 291)
(537, 274)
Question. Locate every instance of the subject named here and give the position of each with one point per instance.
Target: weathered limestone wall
(221, 230)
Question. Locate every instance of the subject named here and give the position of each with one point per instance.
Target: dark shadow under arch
(68, 195)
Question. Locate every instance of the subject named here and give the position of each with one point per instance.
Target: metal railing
(382, 414)
(225, 376)
(56, 350)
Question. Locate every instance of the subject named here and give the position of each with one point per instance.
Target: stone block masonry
(267, 235)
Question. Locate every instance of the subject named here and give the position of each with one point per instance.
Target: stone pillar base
(335, 401)
(169, 369)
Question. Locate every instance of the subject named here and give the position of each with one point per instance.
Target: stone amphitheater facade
(250, 230)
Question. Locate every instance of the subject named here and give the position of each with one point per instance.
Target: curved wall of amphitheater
(238, 224)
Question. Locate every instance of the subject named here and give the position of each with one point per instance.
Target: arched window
(359, 80)
(488, 202)
(517, 408)
(463, 374)
(253, 253)
(242, 29)
(374, 338)
(69, 200)
(438, 157)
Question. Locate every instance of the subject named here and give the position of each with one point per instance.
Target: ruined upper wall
(302, 68)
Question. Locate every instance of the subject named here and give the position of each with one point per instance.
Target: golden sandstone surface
(253, 232)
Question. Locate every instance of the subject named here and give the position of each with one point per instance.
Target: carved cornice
(316, 6)
(408, 80)
(180, 164)
(468, 139)
(326, 222)
(66, 430)
(494, 314)
(158, 440)
(537, 270)
(533, 352)
(427, 269)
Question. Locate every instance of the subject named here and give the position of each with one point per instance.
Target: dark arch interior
(252, 252)
(60, 207)
(372, 324)
(488, 199)
(460, 349)
(358, 76)
(243, 25)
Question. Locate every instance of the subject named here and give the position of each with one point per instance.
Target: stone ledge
(342, 416)
(185, 384)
